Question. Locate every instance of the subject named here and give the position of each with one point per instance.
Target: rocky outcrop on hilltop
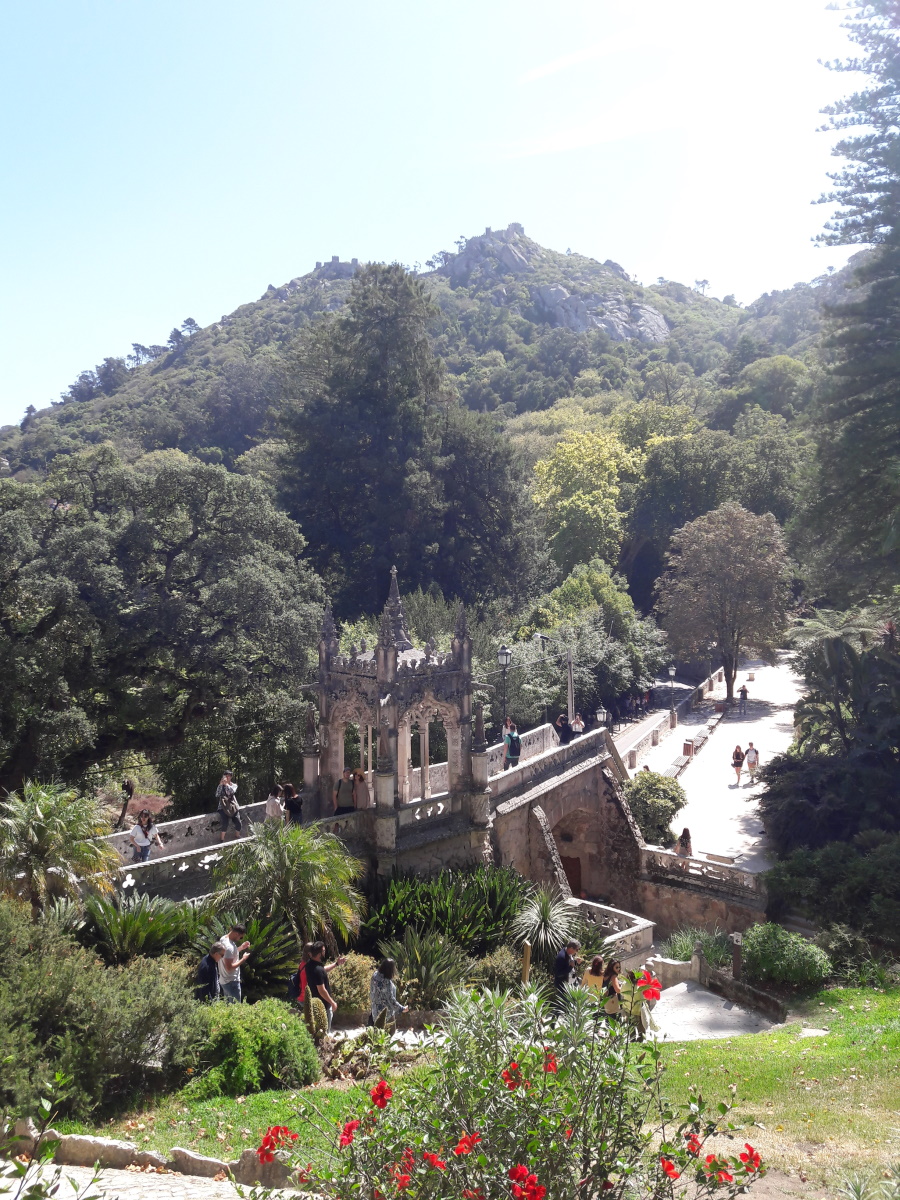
(622, 319)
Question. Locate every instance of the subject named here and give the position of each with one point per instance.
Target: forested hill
(521, 327)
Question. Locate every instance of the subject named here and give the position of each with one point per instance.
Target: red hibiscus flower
(649, 985)
(750, 1158)
(517, 1174)
(670, 1169)
(550, 1066)
(275, 1136)
(380, 1094)
(434, 1161)
(694, 1145)
(346, 1138)
(467, 1142)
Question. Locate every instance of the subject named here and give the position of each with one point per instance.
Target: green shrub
(473, 908)
(349, 983)
(315, 1016)
(655, 800)
(774, 955)
(273, 953)
(250, 1047)
(430, 967)
(501, 970)
(112, 1029)
(715, 943)
(121, 927)
(547, 922)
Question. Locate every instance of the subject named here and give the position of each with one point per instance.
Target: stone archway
(419, 784)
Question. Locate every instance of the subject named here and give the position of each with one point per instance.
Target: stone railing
(423, 811)
(189, 833)
(665, 866)
(628, 937)
(535, 742)
(549, 763)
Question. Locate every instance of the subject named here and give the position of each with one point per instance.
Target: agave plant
(273, 952)
(430, 966)
(547, 922)
(123, 927)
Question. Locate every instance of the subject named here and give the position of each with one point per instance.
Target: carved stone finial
(395, 615)
(310, 735)
(364, 645)
(479, 740)
(329, 633)
(385, 635)
(462, 625)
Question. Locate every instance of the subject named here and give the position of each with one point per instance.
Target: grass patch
(821, 1105)
(224, 1126)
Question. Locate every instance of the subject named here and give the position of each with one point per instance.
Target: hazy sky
(171, 158)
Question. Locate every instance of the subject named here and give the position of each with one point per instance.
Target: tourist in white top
(275, 804)
(144, 835)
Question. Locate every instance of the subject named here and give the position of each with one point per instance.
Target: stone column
(479, 797)
(424, 778)
(404, 744)
(385, 808)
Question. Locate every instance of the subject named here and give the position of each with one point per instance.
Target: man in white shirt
(751, 760)
(230, 963)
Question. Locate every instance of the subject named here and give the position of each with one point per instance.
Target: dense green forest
(534, 433)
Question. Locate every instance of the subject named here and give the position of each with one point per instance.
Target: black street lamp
(671, 689)
(504, 658)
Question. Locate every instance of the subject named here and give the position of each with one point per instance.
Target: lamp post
(570, 672)
(671, 689)
(504, 658)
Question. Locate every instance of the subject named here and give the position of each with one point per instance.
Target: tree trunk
(729, 664)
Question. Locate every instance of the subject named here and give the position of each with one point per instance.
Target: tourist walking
(564, 967)
(384, 1007)
(208, 985)
(236, 954)
(743, 693)
(577, 725)
(751, 758)
(361, 796)
(513, 745)
(229, 809)
(612, 988)
(737, 761)
(293, 805)
(683, 846)
(317, 978)
(275, 804)
(343, 793)
(593, 976)
(144, 835)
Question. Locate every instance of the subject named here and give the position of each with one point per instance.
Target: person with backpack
(303, 976)
(513, 747)
(209, 986)
(229, 809)
(751, 761)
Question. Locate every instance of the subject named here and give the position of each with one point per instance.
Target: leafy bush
(655, 800)
(474, 908)
(122, 927)
(557, 1108)
(273, 953)
(774, 955)
(547, 922)
(500, 970)
(430, 967)
(315, 1016)
(349, 983)
(249, 1047)
(715, 943)
(111, 1029)
(856, 962)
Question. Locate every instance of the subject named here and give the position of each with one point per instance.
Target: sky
(164, 159)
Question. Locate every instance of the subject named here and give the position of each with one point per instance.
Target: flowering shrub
(520, 1108)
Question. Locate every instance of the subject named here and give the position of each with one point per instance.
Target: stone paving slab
(145, 1185)
(688, 1012)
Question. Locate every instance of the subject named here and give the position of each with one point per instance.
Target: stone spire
(462, 625)
(394, 613)
(329, 633)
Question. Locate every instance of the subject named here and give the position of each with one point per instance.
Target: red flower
(346, 1137)
(649, 985)
(670, 1169)
(608, 1185)
(718, 1167)
(402, 1181)
(568, 1134)
(471, 1194)
(304, 1174)
(694, 1145)
(550, 1067)
(275, 1136)
(517, 1174)
(408, 1159)
(380, 1094)
(467, 1142)
(531, 1190)
(434, 1161)
(750, 1159)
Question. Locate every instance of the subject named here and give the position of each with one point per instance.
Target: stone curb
(79, 1150)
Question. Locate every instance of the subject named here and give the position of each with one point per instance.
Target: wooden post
(526, 961)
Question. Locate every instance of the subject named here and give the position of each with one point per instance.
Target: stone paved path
(721, 814)
(688, 1012)
(143, 1185)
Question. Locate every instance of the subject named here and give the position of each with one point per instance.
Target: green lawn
(222, 1128)
(819, 1105)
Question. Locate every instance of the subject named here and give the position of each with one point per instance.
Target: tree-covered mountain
(519, 327)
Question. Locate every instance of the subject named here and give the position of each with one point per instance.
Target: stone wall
(190, 833)
(535, 742)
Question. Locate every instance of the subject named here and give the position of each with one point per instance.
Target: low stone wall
(189, 833)
(550, 762)
(669, 971)
(692, 891)
(629, 937)
(735, 989)
(535, 742)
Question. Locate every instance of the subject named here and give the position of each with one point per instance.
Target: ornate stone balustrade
(664, 866)
(189, 833)
(548, 763)
(629, 937)
(423, 811)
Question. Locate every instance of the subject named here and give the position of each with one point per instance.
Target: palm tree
(51, 845)
(546, 921)
(296, 873)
